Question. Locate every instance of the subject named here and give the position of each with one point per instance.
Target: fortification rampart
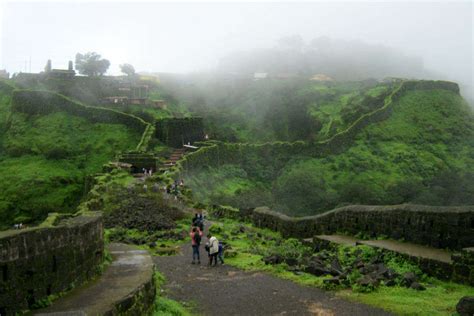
(44, 102)
(49, 259)
(214, 154)
(436, 226)
(176, 132)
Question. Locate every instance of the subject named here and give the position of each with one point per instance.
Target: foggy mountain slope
(243, 110)
(423, 153)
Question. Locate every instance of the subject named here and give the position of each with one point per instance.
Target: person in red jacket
(196, 235)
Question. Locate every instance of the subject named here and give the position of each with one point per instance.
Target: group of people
(213, 247)
(147, 172)
(19, 226)
(174, 188)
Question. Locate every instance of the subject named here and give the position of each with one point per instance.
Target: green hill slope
(45, 159)
(423, 153)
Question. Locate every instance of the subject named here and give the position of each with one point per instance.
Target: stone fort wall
(436, 226)
(37, 262)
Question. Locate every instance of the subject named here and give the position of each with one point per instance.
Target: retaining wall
(37, 262)
(436, 226)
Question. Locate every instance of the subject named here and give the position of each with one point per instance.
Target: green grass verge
(440, 298)
(164, 306)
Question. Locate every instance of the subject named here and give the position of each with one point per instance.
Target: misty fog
(370, 39)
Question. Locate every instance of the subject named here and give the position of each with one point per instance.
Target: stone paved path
(224, 290)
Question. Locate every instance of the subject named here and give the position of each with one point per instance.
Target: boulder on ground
(317, 268)
(417, 286)
(465, 306)
(367, 281)
(291, 261)
(332, 281)
(408, 279)
(273, 259)
(336, 267)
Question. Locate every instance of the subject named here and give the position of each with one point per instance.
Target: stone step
(126, 286)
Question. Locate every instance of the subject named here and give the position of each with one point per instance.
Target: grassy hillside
(45, 159)
(423, 153)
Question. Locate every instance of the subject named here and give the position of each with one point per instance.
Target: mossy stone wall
(37, 262)
(436, 226)
(176, 132)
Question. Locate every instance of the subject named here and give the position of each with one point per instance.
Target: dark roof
(63, 71)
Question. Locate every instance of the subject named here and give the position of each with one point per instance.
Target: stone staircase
(126, 287)
(175, 156)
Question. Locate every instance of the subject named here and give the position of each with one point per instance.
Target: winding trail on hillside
(225, 290)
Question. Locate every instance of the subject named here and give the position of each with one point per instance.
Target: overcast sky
(182, 37)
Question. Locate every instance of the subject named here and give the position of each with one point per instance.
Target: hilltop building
(128, 93)
(4, 74)
(321, 77)
(59, 73)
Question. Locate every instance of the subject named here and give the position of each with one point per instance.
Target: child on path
(220, 253)
(196, 234)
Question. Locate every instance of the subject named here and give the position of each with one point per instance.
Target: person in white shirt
(213, 249)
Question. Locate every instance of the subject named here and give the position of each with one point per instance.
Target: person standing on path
(213, 249)
(220, 253)
(196, 234)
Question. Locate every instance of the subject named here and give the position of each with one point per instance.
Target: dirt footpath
(224, 290)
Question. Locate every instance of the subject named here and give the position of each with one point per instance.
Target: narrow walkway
(129, 275)
(406, 248)
(411, 249)
(224, 290)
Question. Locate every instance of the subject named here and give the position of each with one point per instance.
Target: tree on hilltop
(127, 69)
(91, 64)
